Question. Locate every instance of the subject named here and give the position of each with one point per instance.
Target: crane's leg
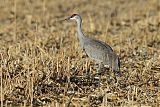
(100, 66)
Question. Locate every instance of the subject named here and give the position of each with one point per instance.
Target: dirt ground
(42, 64)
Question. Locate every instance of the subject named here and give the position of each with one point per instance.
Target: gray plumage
(97, 50)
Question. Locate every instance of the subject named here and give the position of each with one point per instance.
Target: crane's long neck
(81, 36)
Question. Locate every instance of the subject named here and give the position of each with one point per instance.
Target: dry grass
(38, 54)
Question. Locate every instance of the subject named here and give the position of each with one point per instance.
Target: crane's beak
(68, 18)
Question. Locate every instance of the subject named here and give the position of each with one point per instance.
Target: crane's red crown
(74, 15)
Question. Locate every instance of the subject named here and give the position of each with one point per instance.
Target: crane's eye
(73, 15)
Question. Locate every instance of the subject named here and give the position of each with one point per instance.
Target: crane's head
(74, 17)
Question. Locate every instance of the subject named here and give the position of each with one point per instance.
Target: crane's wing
(97, 50)
(105, 44)
(102, 43)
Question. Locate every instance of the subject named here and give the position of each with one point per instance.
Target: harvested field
(42, 64)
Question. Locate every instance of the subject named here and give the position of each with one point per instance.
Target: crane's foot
(99, 82)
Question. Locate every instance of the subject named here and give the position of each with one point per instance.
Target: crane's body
(97, 50)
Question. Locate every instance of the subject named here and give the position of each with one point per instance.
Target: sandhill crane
(97, 50)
